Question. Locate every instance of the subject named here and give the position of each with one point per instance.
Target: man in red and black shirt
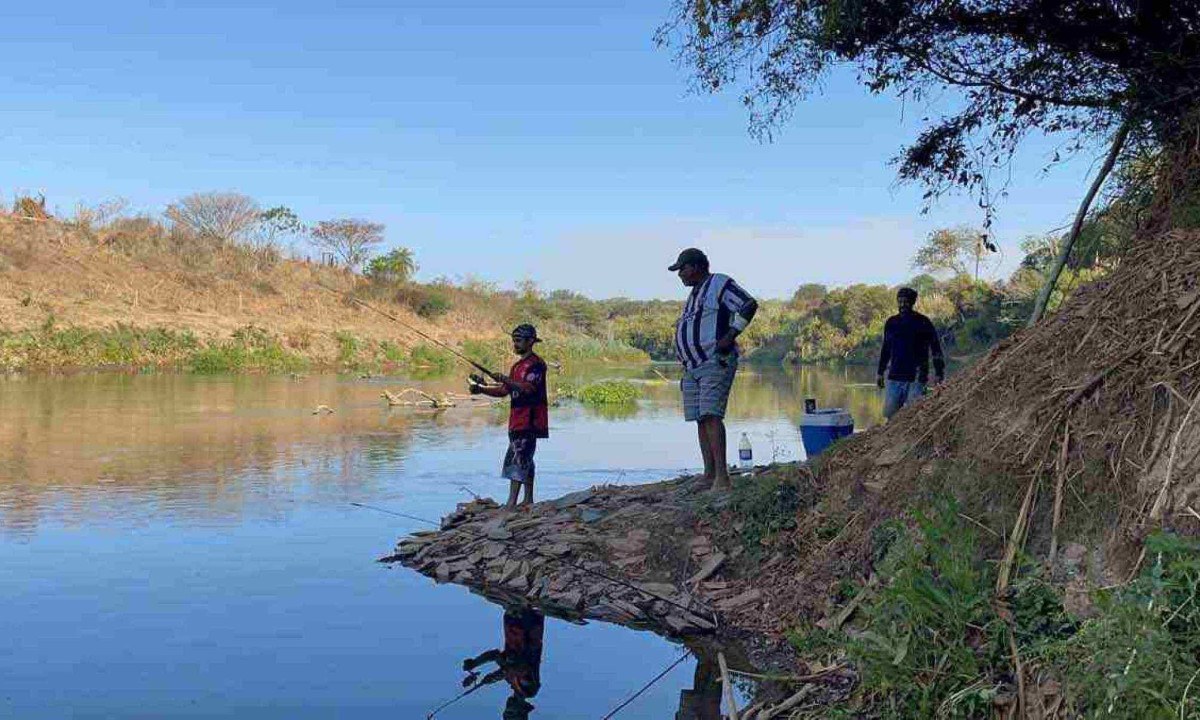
(529, 416)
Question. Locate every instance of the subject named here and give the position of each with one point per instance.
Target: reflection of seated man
(519, 663)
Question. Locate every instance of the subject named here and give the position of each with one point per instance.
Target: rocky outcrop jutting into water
(632, 555)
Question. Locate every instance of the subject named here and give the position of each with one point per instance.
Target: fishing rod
(535, 551)
(414, 330)
(647, 686)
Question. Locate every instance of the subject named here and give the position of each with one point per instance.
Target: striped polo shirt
(714, 306)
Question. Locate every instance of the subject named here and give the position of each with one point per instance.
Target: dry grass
(134, 271)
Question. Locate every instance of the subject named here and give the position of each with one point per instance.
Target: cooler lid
(827, 417)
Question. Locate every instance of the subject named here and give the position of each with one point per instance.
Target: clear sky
(505, 140)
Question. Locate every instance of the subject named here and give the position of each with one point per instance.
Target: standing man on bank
(909, 338)
(716, 312)
(528, 416)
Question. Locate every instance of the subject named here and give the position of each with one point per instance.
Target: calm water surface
(185, 546)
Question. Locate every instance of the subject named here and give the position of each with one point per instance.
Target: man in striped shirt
(716, 312)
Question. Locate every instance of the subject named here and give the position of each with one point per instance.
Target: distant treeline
(820, 324)
(204, 232)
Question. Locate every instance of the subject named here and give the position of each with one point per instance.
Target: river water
(185, 546)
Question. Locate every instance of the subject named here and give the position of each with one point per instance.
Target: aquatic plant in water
(609, 392)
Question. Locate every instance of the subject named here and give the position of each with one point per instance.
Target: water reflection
(518, 663)
(154, 521)
(702, 701)
(210, 447)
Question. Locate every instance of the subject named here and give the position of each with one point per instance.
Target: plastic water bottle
(745, 453)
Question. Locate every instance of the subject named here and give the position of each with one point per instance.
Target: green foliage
(348, 347)
(1140, 655)
(930, 641)
(123, 346)
(494, 354)
(767, 504)
(846, 320)
(933, 642)
(431, 359)
(957, 251)
(249, 349)
(577, 348)
(1018, 70)
(808, 296)
(609, 392)
(392, 268)
(428, 301)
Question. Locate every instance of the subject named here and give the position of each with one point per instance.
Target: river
(185, 546)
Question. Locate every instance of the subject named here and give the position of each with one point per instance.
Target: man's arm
(935, 349)
(484, 657)
(507, 385)
(743, 307)
(497, 391)
(885, 354)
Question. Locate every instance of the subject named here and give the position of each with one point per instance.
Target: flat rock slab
(709, 567)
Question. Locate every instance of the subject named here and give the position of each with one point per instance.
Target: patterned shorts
(706, 388)
(518, 461)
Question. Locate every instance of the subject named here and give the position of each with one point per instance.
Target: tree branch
(1043, 298)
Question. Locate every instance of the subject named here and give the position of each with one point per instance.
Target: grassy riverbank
(134, 296)
(255, 349)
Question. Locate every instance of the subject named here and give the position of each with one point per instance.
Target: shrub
(428, 302)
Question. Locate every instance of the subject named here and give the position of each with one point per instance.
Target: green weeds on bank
(249, 349)
(253, 349)
(929, 640)
(51, 347)
(766, 505)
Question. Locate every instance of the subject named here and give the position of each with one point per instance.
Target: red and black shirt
(530, 413)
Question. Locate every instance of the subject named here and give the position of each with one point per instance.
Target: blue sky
(542, 140)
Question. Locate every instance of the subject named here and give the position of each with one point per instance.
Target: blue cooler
(818, 429)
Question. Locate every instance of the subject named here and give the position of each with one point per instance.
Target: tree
(392, 268)
(274, 224)
(349, 239)
(226, 218)
(1081, 67)
(958, 251)
(809, 296)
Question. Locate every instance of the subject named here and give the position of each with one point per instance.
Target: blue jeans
(898, 393)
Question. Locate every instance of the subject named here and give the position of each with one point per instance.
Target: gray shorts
(706, 388)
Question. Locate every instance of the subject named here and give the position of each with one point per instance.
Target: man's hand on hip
(727, 343)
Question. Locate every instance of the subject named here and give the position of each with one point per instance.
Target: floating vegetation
(609, 392)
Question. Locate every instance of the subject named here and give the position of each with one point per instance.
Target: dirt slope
(51, 270)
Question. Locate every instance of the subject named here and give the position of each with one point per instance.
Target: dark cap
(691, 256)
(525, 331)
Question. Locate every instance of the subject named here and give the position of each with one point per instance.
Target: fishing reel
(475, 381)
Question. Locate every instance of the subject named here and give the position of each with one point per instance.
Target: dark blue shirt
(908, 341)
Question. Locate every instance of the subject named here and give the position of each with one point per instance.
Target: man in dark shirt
(528, 418)
(909, 338)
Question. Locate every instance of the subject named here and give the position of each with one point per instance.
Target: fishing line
(535, 551)
(397, 514)
(410, 328)
(647, 686)
(453, 700)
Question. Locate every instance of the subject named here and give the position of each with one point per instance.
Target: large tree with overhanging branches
(1123, 70)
